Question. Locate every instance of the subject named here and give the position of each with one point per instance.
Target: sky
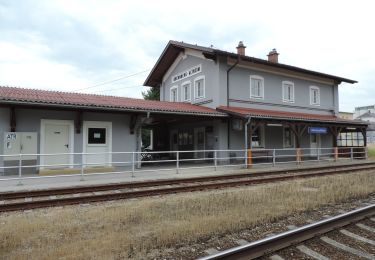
(108, 47)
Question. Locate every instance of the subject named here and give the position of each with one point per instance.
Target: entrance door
(97, 140)
(199, 141)
(314, 144)
(56, 141)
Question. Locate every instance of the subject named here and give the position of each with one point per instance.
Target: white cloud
(75, 44)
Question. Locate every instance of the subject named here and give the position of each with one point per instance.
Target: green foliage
(151, 94)
(146, 137)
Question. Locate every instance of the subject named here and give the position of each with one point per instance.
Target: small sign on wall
(11, 136)
(317, 130)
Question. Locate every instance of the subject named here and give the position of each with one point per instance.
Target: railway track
(25, 200)
(347, 236)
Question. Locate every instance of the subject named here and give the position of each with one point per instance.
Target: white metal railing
(131, 162)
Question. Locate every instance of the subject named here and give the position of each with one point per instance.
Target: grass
(126, 229)
(371, 152)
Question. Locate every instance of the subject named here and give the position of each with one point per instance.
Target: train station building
(211, 101)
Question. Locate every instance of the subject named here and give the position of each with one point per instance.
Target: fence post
(351, 154)
(336, 150)
(273, 157)
(318, 154)
(133, 164)
(215, 159)
(82, 167)
(19, 170)
(177, 161)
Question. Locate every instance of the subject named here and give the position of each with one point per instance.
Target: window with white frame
(257, 137)
(256, 87)
(186, 91)
(174, 94)
(314, 96)
(199, 87)
(288, 137)
(288, 91)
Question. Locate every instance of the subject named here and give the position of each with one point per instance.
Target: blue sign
(317, 130)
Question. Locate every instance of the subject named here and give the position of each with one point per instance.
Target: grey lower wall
(29, 120)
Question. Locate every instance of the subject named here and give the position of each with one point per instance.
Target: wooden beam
(13, 122)
(133, 121)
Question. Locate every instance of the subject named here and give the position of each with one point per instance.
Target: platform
(33, 182)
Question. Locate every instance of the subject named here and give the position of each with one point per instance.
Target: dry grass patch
(127, 229)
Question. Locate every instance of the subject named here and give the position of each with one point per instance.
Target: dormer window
(199, 90)
(256, 87)
(174, 94)
(186, 90)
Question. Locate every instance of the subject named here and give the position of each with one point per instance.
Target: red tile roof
(260, 113)
(64, 99)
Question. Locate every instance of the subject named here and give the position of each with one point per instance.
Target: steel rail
(163, 182)
(271, 244)
(154, 192)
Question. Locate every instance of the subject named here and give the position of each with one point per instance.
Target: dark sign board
(317, 130)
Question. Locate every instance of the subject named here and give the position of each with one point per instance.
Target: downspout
(246, 140)
(228, 125)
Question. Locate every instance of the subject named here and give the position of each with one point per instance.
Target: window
(350, 139)
(96, 135)
(288, 137)
(257, 138)
(186, 91)
(174, 94)
(199, 87)
(288, 91)
(314, 96)
(256, 87)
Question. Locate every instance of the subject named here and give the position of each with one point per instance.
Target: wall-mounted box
(24, 143)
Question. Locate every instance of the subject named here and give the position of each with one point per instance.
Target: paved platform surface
(34, 182)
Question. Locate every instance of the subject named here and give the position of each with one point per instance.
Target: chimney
(241, 49)
(273, 56)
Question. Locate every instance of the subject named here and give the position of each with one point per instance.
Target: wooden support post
(249, 158)
(133, 121)
(336, 153)
(13, 119)
(298, 155)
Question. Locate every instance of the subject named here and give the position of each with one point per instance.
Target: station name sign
(317, 130)
(190, 72)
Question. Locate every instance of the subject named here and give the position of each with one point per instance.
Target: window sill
(253, 97)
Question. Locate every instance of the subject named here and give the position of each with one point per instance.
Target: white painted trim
(204, 87)
(69, 123)
(170, 93)
(97, 124)
(262, 89)
(195, 53)
(187, 73)
(283, 84)
(292, 135)
(173, 66)
(310, 90)
(183, 85)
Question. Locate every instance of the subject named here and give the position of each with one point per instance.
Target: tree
(151, 94)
